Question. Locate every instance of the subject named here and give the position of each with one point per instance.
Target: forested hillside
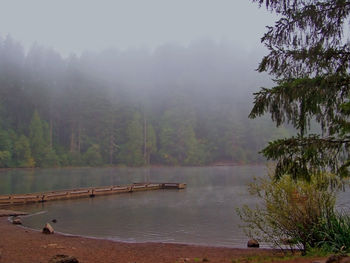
(173, 106)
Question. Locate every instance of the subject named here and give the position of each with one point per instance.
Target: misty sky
(72, 26)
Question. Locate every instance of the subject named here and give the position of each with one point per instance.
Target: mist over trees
(173, 105)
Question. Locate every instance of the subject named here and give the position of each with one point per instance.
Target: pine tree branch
(302, 156)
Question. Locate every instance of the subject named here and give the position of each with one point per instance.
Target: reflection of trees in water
(38, 180)
(6, 184)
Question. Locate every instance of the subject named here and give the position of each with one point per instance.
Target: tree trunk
(72, 141)
(51, 127)
(148, 158)
(144, 139)
(79, 133)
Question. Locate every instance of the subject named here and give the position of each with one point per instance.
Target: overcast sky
(73, 26)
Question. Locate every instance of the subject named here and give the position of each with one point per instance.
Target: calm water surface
(203, 214)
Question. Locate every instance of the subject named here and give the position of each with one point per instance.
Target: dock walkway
(16, 199)
(6, 213)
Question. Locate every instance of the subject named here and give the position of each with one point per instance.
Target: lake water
(203, 213)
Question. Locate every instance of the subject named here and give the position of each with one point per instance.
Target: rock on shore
(253, 243)
(48, 229)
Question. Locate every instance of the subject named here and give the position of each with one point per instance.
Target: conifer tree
(22, 153)
(131, 152)
(6, 148)
(309, 59)
(38, 138)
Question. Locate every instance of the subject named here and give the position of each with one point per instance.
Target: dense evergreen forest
(170, 106)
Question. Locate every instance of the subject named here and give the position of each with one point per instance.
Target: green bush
(64, 159)
(50, 158)
(92, 156)
(297, 213)
(74, 159)
(5, 159)
(334, 233)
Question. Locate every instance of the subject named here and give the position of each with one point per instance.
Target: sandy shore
(18, 244)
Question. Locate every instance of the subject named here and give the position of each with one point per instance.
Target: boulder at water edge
(48, 229)
(17, 221)
(253, 243)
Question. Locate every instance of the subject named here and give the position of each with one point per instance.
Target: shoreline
(218, 164)
(22, 244)
(138, 242)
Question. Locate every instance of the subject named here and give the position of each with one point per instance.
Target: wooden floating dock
(5, 213)
(17, 199)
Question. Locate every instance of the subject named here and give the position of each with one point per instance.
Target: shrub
(334, 233)
(74, 159)
(92, 156)
(49, 158)
(5, 159)
(294, 213)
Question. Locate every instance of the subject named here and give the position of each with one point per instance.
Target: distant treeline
(171, 106)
